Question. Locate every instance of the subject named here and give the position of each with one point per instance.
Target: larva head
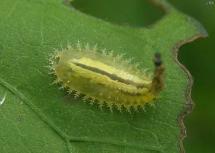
(105, 78)
(157, 60)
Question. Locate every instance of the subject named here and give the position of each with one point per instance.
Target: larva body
(103, 78)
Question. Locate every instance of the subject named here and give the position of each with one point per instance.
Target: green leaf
(38, 117)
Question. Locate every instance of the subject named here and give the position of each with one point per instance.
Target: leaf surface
(38, 117)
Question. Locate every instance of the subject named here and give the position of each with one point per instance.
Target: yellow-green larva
(105, 78)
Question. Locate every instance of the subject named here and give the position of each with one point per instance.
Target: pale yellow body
(103, 80)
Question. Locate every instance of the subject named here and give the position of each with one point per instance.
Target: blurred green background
(198, 56)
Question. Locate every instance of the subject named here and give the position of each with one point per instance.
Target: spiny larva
(105, 78)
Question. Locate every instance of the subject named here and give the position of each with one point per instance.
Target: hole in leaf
(134, 13)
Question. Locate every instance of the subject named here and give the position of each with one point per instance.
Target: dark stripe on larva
(111, 76)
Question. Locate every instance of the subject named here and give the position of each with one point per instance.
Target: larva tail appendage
(157, 81)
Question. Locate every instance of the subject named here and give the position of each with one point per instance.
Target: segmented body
(102, 77)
